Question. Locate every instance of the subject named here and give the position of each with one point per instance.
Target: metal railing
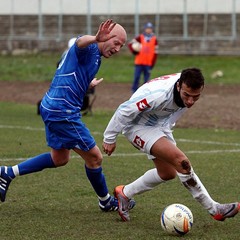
(187, 20)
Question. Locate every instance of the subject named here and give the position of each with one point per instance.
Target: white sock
(146, 182)
(104, 198)
(198, 191)
(15, 170)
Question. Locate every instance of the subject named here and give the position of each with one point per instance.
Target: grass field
(60, 203)
(41, 67)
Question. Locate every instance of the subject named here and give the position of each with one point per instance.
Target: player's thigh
(167, 151)
(60, 156)
(144, 137)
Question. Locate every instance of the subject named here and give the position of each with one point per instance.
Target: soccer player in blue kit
(60, 111)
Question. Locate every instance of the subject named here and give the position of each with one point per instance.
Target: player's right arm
(102, 35)
(108, 148)
(123, 116)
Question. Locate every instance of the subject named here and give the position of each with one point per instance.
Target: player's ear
(178, 86)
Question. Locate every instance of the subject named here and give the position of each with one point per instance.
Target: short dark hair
(192, 77)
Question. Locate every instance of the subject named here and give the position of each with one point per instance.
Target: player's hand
(95, 82)
(108, 148)
(104, 31)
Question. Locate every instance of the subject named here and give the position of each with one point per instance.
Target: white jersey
(151, 105)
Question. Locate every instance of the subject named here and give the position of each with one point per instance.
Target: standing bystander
(145, 49)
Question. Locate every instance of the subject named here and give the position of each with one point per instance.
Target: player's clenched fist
(108, 148)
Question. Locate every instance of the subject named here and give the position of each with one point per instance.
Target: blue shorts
(68, 134)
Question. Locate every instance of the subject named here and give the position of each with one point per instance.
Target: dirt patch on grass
(218, 107)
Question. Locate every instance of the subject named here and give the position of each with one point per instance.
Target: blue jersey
(76, 70)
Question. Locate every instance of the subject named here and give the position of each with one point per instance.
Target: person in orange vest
(145, 49)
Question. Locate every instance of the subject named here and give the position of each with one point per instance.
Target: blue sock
(97, 179)
(32, 165)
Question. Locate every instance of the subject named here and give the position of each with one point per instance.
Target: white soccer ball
(177, 219)
(136, 46)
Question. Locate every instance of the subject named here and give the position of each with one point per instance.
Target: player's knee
(98, 161)
(60, 161)
(95, 161)
(169, 175)
(60, 157)
(184, 166)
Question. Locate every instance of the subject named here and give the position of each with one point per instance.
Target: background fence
(182, 26)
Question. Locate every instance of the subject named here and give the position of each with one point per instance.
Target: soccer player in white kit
(146, 120)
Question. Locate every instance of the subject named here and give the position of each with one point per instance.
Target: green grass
(60, 203)
(28, 68)
(119, 68)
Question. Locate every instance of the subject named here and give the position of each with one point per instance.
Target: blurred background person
(145, 49)
(71, 42)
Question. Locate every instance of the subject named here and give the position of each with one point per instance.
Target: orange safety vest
(146, 55)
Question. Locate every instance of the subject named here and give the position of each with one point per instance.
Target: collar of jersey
(177, 98)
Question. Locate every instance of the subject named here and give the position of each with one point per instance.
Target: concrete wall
(182, 26)
(73, 7)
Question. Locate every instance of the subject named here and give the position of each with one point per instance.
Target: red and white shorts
(143, 137)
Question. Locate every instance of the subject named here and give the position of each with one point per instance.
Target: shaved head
(117, 38)
(120, 32)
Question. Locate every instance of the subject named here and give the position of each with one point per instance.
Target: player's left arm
(95, 82)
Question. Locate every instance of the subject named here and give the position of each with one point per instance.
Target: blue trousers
(139, 69)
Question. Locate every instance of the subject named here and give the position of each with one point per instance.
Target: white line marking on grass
(120, 135)
(207, 142)
(22, 128)
(136, 154)
(186, 152)
(34, 128)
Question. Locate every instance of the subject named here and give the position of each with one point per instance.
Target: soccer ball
(177, 219)
(136, 46)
